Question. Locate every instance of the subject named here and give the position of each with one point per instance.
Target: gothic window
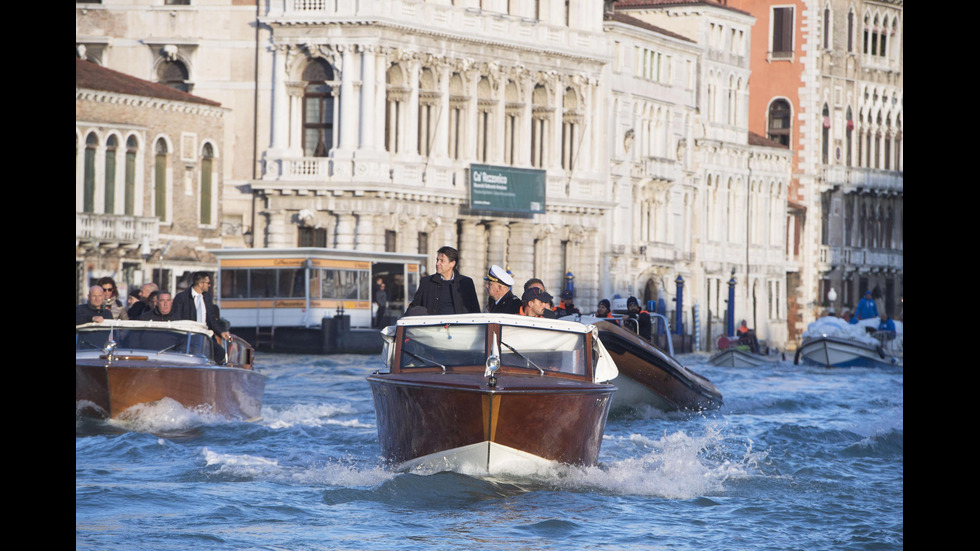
(207, 185)
(779, 122)
(318, 109)
(111, 145)
(850, 31)
(130, 185)
(849, 136)
(160, 180)
(88, 199)
(826, 28)
(173, 73)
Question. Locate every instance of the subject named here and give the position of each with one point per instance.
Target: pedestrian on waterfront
(381, 299)
(112, 301)
(137, 309)
(197, 304)
(866, 308)
(642, 317)
(535, 302)
(93, 310)
(502, 299)
(163, 310)
(447, 291)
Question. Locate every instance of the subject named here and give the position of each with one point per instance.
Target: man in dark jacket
(502, 299)
(196, 304)
(164, 310)
(447, 291)
(93, 310)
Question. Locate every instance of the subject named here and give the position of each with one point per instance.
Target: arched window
(779, 122)
(539, 126)
(511, 122)
(174, 74)
(848, 136)
(130, 199)
(111, 145)
(91, 145)
(318, 109)
(207, 186)
(850, 31)
(160, 180)
(570, 129)
(825, 135)
(428, 111)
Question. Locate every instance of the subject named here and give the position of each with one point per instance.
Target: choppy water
(798, 458)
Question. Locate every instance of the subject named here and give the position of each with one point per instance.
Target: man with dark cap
(642, 318)
(502, 300)
(567, 305)
(535, 302)
(604, 309)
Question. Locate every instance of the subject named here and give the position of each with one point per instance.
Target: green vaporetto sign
(507, 189)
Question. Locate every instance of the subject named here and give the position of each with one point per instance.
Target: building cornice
(143, 102)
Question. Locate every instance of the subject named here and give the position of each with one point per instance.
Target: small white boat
(733, 353)
(832, 342)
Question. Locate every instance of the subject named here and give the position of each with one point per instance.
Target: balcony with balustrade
(108, 232)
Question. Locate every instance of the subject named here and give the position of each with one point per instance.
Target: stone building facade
(357, 126)
(147, 180)
(828, 79)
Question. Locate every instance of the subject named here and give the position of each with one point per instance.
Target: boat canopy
(179, 325)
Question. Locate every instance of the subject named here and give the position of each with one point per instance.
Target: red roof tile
(94, 77)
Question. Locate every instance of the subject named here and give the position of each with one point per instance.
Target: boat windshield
(536, 348)
(444, 346)
(156, 340)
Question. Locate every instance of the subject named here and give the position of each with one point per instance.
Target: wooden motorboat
(491, 393)
(122, 363)
(733, 353)
(832, 342)
(648, 376)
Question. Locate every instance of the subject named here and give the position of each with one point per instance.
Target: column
(369, 112)
(344, 233)
(280, 100)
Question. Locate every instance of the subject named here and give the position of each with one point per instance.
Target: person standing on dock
(447, 291)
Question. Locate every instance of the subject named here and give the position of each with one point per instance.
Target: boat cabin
(467, 342)
(298, 287)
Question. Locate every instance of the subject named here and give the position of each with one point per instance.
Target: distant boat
(832, 342)
(649, 376)
(121, 363)
(733, 354)
(489, 393)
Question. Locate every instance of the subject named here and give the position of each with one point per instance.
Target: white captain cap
(499, 275)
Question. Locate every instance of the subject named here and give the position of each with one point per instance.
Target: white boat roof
(179, 325)
(502, 319)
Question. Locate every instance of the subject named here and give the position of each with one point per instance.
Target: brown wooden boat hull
(102, 391)
(428, 414)
(667, 384)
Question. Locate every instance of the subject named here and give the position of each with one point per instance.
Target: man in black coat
(502, 299)
(93, 310)
(447, 291)
(196, 304)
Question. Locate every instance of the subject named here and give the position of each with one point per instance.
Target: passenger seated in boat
(549, 310)
(747, 337)
(536, 302)
(604, 309)
(93, 310)
(886, 329)
(642, 317)
(164, 309)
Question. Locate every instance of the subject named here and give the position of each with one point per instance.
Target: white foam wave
(307, 415)
(332, 473)
(166, 415)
